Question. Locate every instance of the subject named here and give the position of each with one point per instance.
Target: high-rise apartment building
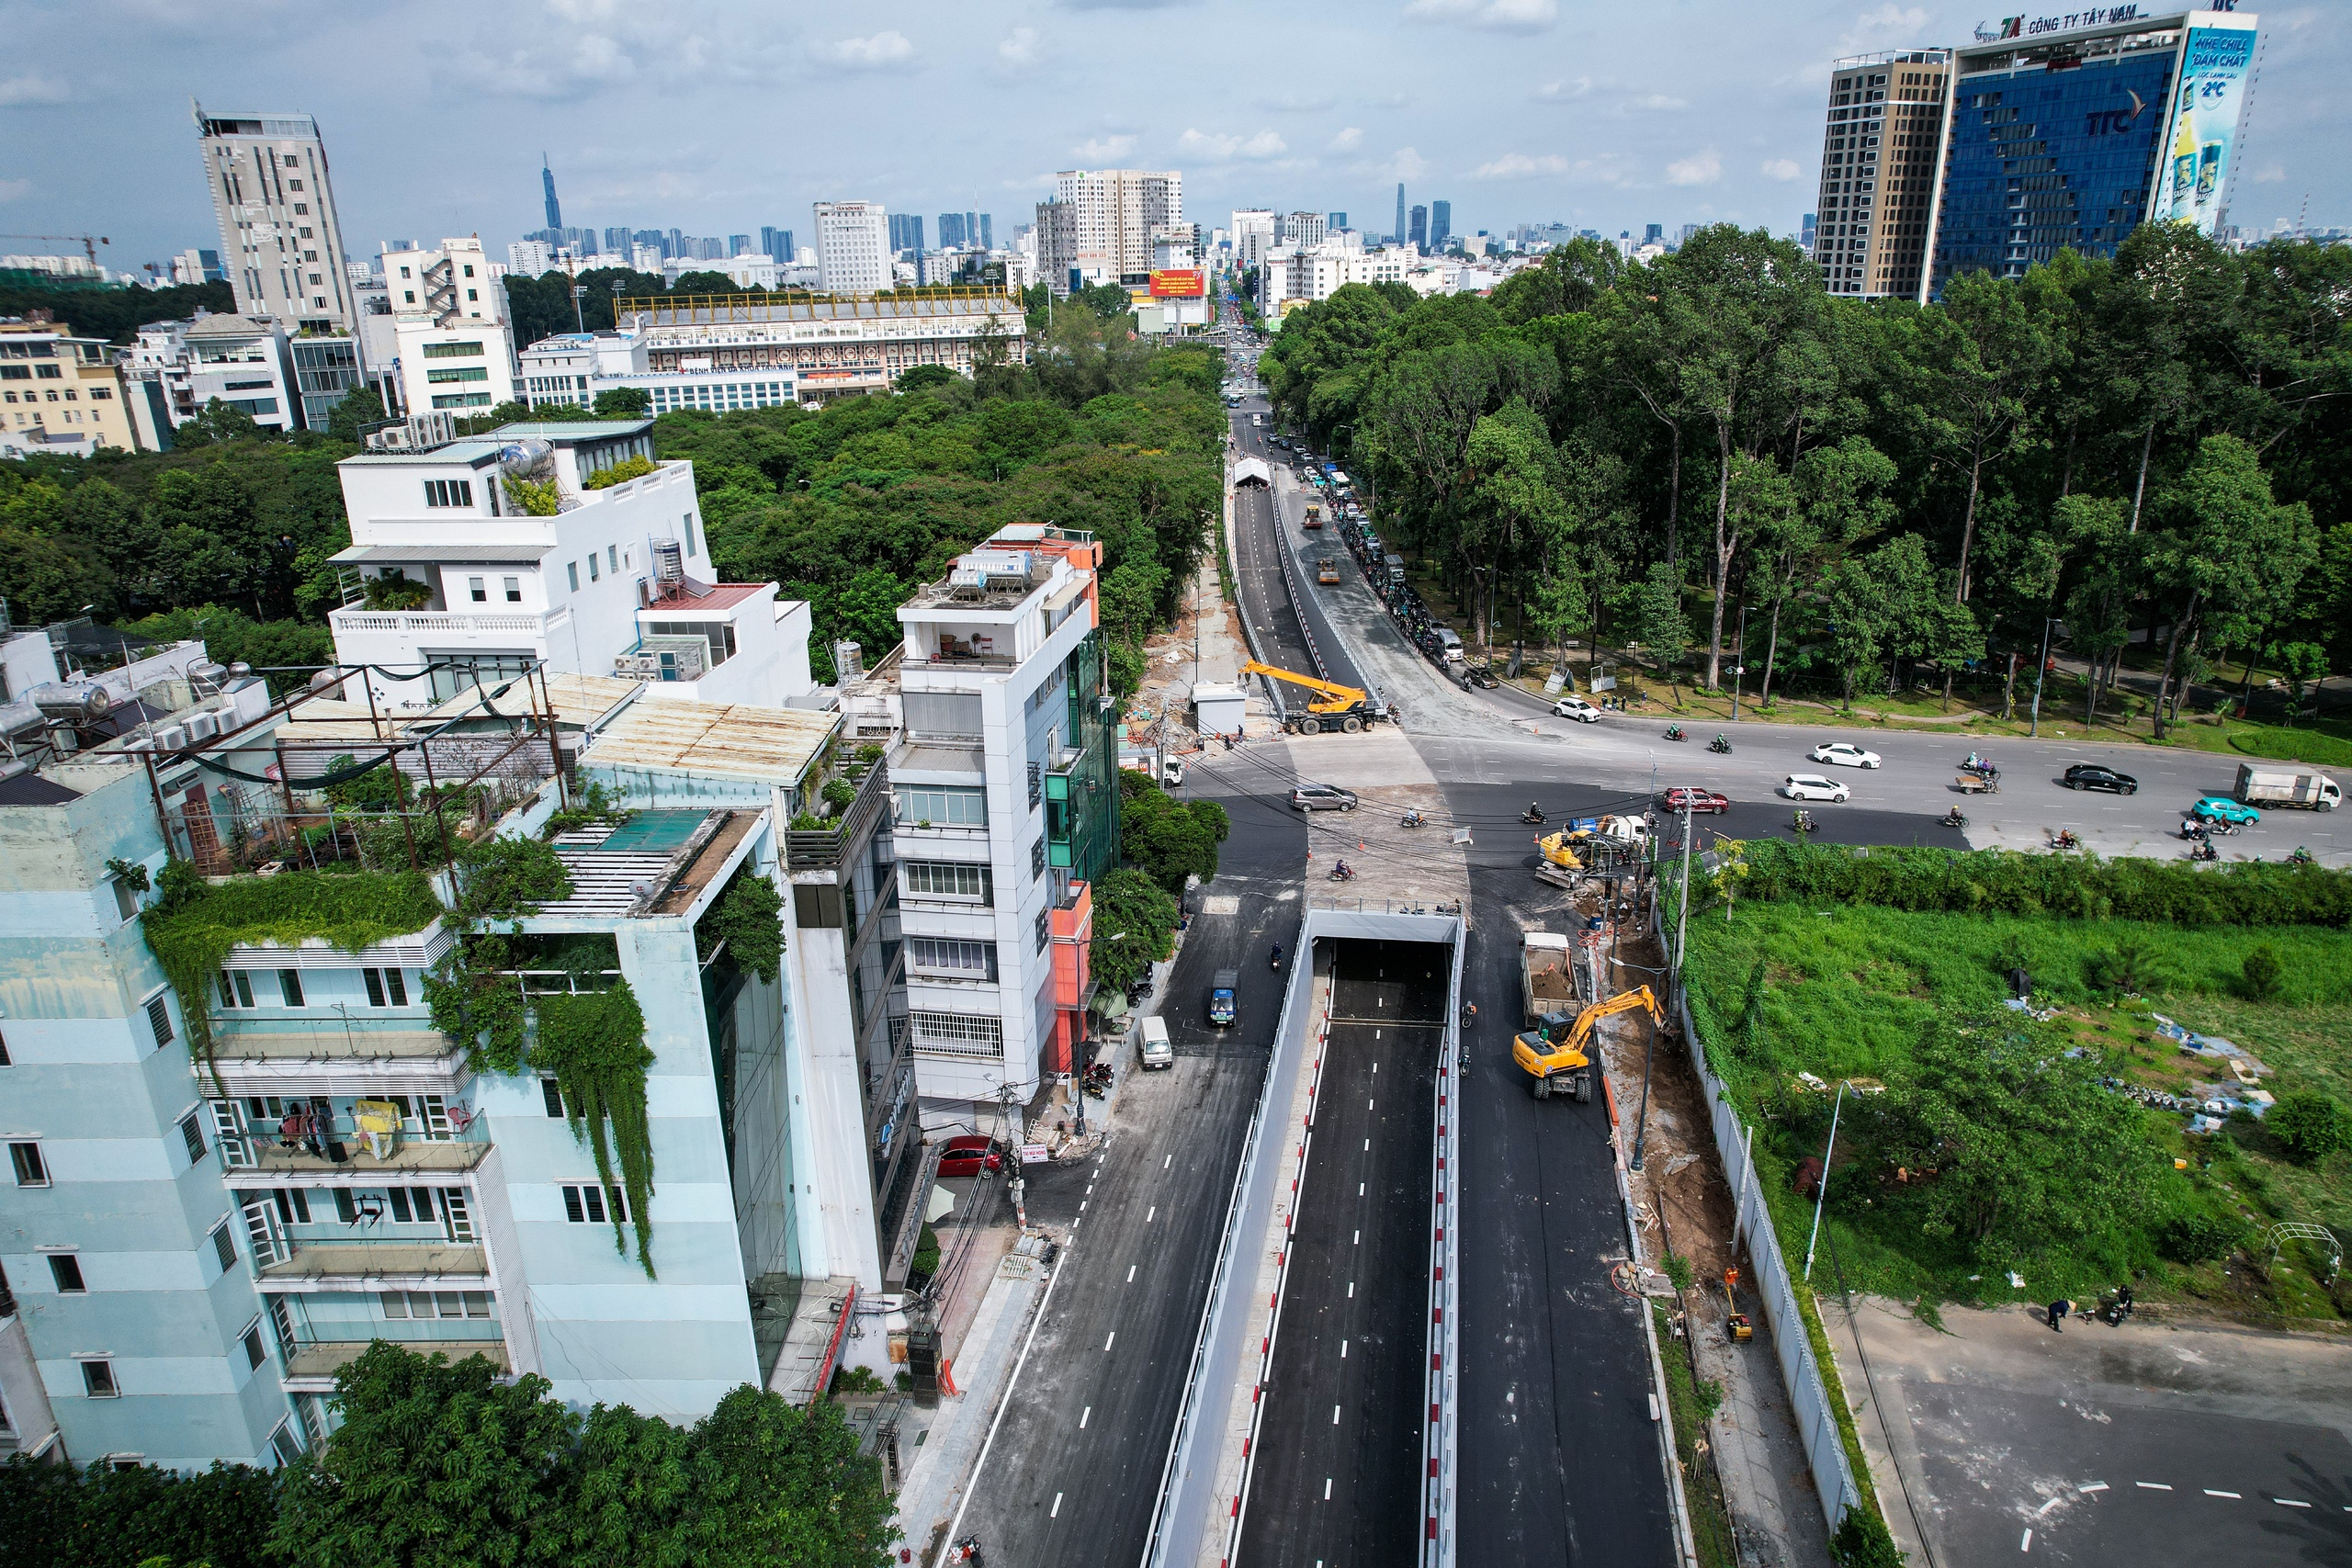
(1397, 238)
(906, 232)
(988, 231)
(1418, 234)
(737, 245)
(1880, 156)
(1440, 224)
(280, 237)
(852, 247)
(951, 231)
(1302, 229)
(1114, 212)
(776, 243)
(546, 185)
(617, 240)
(1253, 236)
(1337, 221)
(2042, 134)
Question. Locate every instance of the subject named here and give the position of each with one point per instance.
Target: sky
(719, 115)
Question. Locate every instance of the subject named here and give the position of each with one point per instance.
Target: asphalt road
(1558, 1455)
(1074, 1472)
(1334, 1475)
(1265, 603)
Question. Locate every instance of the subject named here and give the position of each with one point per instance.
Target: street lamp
(1673, 989)
(2041, 668)
(579, 292)
(1821, 1187)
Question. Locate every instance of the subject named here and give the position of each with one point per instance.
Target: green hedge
(2005, 882)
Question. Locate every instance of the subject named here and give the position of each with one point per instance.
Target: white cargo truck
(2287, 787)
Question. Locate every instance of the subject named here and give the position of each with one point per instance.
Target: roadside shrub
(2259, 970)
(2198, 1237)
(2127, 969)
(2310, 1124)
(1862, 1542)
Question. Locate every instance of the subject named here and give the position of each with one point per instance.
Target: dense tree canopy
(2023, 448)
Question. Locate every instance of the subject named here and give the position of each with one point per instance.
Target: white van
(1449, 642)
(1154, 1050)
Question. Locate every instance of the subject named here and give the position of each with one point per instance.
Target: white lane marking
(1108, 1343)
(1367, 1146)
(2047, 1506)
(1351, 1290)
(1150, 1213)
(1359, 1240)
(1169, 1161)
(1327, 1497)
(1131, 1273)
(1335, 1416)
(2094, 1486)
(2027, 1544)
(1056, 1511)
(2152, 1486)
(1367, 1105)
(1081, 1205)
(1344, 1349)
(1359, 1189)
(1375, 1068)
(2290, 1502)
(2233, 1495)
(1082, 1416)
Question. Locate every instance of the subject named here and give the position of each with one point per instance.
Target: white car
(1812, 787)
(1843, 754)
(1575, 708)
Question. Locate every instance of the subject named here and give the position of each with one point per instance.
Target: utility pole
(1821, 1187)
(1739, 663)
(1674, 989)
(579, 292)
(2041, 668)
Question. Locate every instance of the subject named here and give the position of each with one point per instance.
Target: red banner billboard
(1189, 283)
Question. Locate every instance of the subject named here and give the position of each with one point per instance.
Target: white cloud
(880, 53)
(11, 189)
(1883, 24)
(1500, 15)
(1405, 163)
(569, 68)
(1103, 149)
(1520, 167)
(1122, 5)
(1657, 103)
(1699, 169)
(1018, 49)
(1223, 149)
(2270, 174)
(29, 89)
(1348, 141)
(1564, 92)
(1781, 169)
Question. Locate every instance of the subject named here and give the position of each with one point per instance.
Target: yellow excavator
(1553, 1052)
(1604, 841)
(1348, 708)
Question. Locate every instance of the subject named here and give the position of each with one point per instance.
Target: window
(386, 988)
(948, 879)
(282, 1443)
(690, 532)
(289, 987)
(293, 1206)
(1037, 858)
(97, 1379)
(612, 557)
(475, 591)
(1036, 784)
(224, 1246)
(942, 808)
(588, 1204)
(450, 349)
(458, 373)
(594, 572)
(192, 1133)
(552, 1093)
(31, 1170)
(126, 897)
(571, 570)
(5, 1061)
(958, 1033)
(514, 587)
(1045, 928)
(236, 989)
(159, 1020)
(435, 1304)
(66, 1270)
(256, 1355)
(449, 492)
(953, 959)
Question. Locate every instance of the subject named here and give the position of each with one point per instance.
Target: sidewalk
(949, 1448)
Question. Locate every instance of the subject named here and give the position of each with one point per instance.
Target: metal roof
(773, 746)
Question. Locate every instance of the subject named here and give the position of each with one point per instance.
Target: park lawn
(1847, 990)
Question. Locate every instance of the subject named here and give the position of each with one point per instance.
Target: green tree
(2226, 542)
(2311, 1125)
(2304, 666)
(1134, 926)
(354, 411)
(623, 402)
(1660, 621)
(214, 423)
(1169, 840)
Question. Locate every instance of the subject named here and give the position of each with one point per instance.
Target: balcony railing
(372, 1265)
(447, 622)
(823, 849)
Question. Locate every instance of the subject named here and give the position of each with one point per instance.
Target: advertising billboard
(1187, 283)
(2200, 142)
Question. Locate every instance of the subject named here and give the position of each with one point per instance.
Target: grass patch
(1691, 1402)
(1858, 992)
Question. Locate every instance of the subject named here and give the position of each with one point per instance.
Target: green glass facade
(1082, 793)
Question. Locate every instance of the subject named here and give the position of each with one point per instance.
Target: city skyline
(1733, 134)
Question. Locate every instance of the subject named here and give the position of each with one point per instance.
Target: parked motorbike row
(1406, 607)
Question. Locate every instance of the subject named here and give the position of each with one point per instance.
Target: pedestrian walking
(2058, 1310)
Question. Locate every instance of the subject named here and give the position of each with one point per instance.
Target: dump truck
(1548, 984)
(2286, 786)
(1555, 1053)
(1348, 708)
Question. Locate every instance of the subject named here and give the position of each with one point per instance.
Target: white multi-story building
(852, 247)
(449, 574)
(282, 241)
(452, 346)
(1253, 236)
(176, 370)
(1115, 213)
(572, 367)
(530, 258)
(1007, 797)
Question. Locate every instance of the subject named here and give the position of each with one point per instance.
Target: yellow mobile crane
(1349, 708)
(1555, 1048)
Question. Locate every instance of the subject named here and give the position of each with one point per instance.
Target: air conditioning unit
(663, 658)
(203, 725)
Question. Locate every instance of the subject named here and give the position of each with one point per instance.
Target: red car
(1701, 801)
(969, 1156)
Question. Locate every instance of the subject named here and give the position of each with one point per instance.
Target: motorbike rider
(1277, 958)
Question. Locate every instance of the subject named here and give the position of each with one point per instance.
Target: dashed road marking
(2152, 1486)
(1344, 1349)
(1131, 1273)
(1335, 1416)
(1359, 1239)
(2290, 1502)
(1150, 1213)
(1108, 1343)
(1169, 1161)
(1351, 1290)
(2047, 1506)
(1056, 1511)
(1082, 1416)
(1367, 1146)
(2027, 1544)
(1327, 1497)
(2233, 1495)
(2094, 1486)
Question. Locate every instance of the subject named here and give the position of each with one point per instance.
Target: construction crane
(1554, 1052)
(1349, 708)
(89, 242)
